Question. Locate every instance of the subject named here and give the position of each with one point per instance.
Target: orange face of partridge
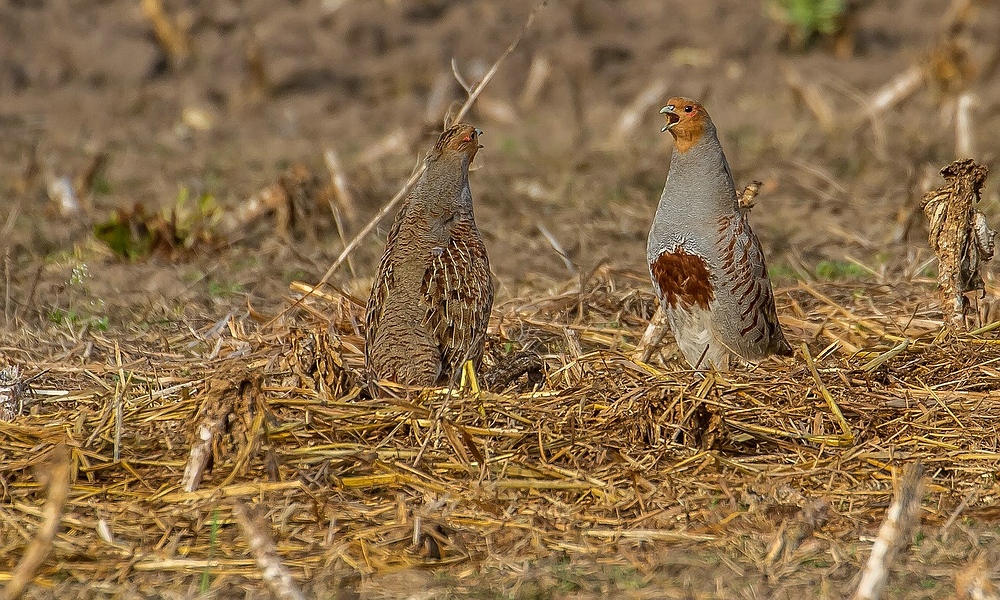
(460, 138)
(686, 121)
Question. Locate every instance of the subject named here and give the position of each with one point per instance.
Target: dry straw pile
(608, 457)
(247, 449)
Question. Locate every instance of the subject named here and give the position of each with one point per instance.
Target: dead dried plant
(959, 235)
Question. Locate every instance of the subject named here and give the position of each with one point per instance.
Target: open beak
(479, 132)
(672, 117)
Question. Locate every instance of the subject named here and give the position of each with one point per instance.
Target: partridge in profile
(432, 296)
(706, 263)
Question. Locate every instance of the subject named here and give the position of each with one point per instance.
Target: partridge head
(686, 121)
(459, 140)
(707, 266)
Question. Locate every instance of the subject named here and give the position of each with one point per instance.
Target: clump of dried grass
(608, 457)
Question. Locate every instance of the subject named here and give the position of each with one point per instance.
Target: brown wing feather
(458, 296)
(744, 276)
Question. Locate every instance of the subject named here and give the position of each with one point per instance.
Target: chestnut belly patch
(682, 279)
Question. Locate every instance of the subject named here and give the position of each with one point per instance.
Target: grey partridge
(432, 296)
(706, 264)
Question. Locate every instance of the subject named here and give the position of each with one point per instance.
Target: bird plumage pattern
(707, 266)
(432, 295)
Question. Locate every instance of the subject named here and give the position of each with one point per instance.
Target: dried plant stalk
(538, 74)
(965, 144)
(56, 475)
(274, 573)
(897, 89)
(894, 534)
(812, 98)
(959, 235)
(213, 424)
(341, 193)
(652, 337)
(259, 82)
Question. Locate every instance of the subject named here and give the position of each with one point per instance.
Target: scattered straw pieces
(609, 458)
(846, 437)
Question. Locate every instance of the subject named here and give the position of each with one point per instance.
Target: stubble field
(171, 294)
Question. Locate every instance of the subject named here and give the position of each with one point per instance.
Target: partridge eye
(688, 108)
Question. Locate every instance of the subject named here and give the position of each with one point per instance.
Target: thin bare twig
(341, 201)
(6, 288)
(458, 76)
(551, 239)
(341, 193)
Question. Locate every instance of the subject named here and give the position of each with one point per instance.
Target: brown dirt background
(90, 76)
(86, 76)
